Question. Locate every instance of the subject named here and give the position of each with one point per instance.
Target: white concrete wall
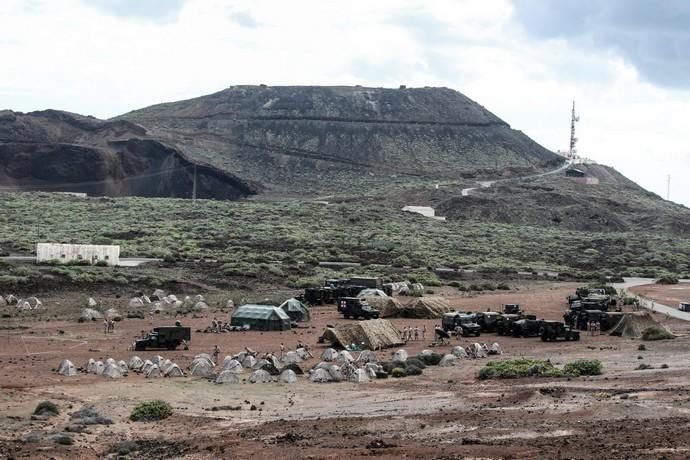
(70, 252)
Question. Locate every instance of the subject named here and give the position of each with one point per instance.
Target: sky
(626, 63)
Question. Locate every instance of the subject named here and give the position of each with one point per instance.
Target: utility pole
(668, 188)
(194, 185)
(573, 140)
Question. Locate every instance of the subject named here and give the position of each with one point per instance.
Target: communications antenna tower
(572, 154)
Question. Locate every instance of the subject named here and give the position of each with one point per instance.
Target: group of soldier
(410, 333)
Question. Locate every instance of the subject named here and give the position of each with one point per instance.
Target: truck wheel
(577, 337)
(543, 338)
(478, 333)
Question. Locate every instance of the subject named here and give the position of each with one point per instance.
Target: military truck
(525, 327)
(556, 330)
(580, 319)
(488, 321)
(169, 337)
(353, 307)
(511, 309)
(466, 322)
(505, 323)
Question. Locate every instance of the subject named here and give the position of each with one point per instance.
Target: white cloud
(61, 54)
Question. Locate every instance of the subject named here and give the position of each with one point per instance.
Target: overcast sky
(625, 62)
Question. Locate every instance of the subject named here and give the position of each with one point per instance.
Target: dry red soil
(445, 413)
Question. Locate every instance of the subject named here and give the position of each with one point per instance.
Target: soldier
(423, 331)
(105, 326)
(282, 350)
(216, 352)
(416, 333)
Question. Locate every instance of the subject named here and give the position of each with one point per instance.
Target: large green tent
(296, 310)
(261, 317)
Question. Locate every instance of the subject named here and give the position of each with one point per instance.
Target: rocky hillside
(308, 140)
(59, 151)
(615, 203)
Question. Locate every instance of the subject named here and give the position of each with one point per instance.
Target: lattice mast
(573, 140)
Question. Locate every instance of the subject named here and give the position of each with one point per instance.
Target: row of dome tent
(27, 304)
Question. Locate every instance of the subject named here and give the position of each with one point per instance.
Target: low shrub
(527, 367)
(150, 411)
(502, 287)
(667, 280)
(398, 372)
(641, 347)
(583, 367)
(388, 366)
(413, 370)
(519, 367)
(657, 333)
(663, 366)
(46, 408)
(643, 367)
(432, 359)
(415, 362)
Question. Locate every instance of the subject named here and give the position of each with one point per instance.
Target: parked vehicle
(169, 337)
(466, 322)
(354, 307)
(556, 330)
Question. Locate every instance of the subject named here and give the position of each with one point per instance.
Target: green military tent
(261, 318)
(296, 310)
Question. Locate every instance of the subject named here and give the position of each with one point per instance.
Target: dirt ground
(446, 413)
(670, 295)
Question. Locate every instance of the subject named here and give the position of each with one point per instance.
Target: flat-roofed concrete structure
(93, 253)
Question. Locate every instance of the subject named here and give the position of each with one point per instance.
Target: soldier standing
(416, 332)
(216, 352)
(423, 331)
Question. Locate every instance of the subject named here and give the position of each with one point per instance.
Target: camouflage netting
(639, 324)
(422, 307)
(374, 334)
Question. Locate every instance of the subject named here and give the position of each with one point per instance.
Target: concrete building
(93, 253)
(426, 211)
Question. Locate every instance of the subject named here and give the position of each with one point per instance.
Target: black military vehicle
(354, 307)
(580, 319)
(525, 327)
(169, 337)
(488, 321)
(511, 309)
(556, 330)
(467, 323)
(505, 322)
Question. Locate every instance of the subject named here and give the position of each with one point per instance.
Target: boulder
(200, 306)
(158, 294)
(199, 298)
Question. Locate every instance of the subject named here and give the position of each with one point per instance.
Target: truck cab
(169, 337)
(556, 330)
(684, 306)
(511, 309)
(488, 321)
(466, 322)
(354, 307)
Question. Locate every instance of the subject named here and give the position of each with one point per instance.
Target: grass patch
(398, 372)
(528, 367)
(656, 333)
(150, 411)
(47, 408)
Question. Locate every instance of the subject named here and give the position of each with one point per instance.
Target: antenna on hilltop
(572, 154)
